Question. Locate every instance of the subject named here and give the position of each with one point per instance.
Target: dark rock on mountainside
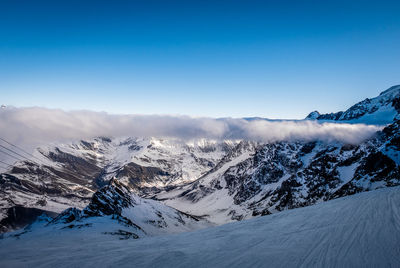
(138, 174)
(109, 200)
(18, 217)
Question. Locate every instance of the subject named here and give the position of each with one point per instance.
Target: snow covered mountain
(285, 175)
(379, 110)
(356, 231)
(67, 175)
(115, 210)
(218, 181)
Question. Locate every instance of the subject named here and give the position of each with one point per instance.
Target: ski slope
(362, 230)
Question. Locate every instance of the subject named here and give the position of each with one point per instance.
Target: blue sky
(275, 59)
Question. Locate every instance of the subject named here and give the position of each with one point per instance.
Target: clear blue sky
(276, 59)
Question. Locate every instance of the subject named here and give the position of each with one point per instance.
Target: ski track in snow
(362, 230)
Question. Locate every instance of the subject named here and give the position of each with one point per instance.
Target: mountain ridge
(358, 113)
(219, 181)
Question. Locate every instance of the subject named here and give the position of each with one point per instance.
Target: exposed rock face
(110, 200)
(18, 217)
(138, 175)
(68, 215)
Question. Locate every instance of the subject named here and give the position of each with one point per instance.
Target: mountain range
(133, 187)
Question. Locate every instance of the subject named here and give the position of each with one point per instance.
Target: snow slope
(355, 231)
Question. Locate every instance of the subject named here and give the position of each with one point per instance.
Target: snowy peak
(110, 199)
(392, 91)
(115, 206)
(313, 115)
(382, 109)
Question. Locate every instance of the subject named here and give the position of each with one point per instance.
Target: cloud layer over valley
(35, 126)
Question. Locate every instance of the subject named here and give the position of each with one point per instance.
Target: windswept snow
(356, 231)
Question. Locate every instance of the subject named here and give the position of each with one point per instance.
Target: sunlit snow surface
(362, 230)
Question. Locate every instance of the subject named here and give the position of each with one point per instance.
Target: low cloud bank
(34, 126)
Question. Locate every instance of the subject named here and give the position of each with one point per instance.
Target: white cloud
(34, 126)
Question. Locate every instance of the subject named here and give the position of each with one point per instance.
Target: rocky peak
(313, 115)
(110, 199)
